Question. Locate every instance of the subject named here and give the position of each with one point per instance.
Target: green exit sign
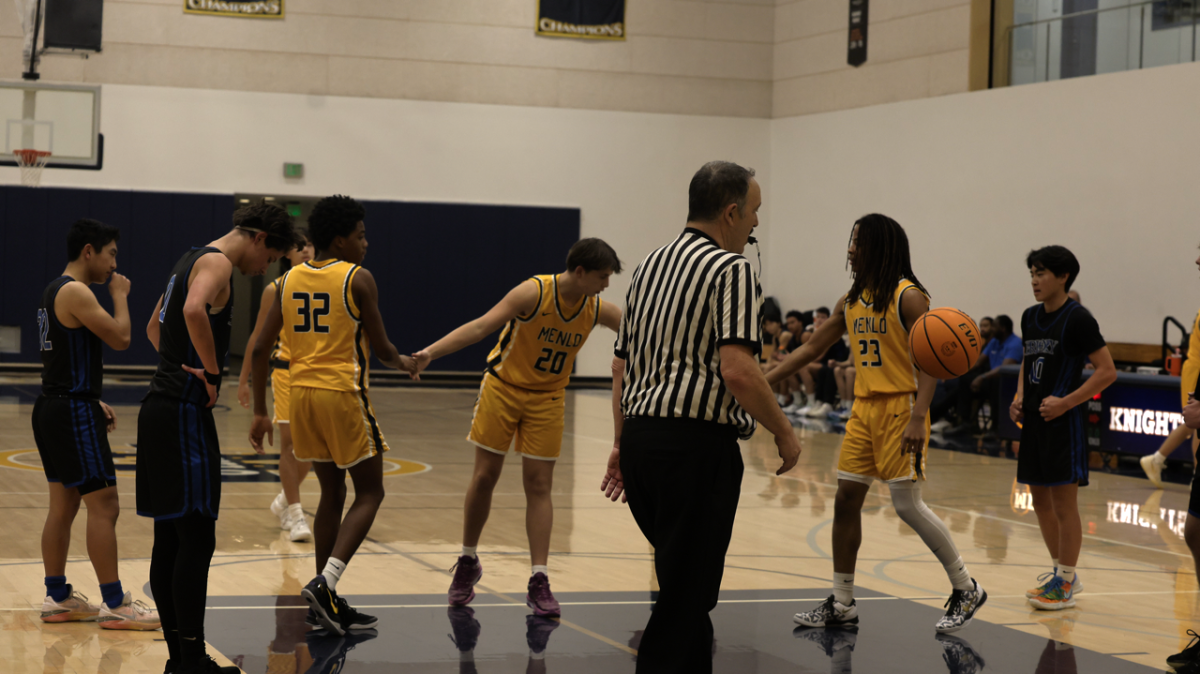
(293, 209)
(293, 170)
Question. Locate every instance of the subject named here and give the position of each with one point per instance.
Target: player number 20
(557, 360)
(866, 346)
(312, 314)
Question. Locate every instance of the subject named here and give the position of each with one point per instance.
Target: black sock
(172, 638)
(191, 648)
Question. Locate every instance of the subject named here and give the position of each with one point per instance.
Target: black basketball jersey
(1057, 345)
(175, 346)
(72, 362)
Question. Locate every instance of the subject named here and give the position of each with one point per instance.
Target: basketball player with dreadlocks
(888, 431)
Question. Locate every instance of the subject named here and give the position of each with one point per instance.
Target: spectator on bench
(795, 326)
(818, 377)
(779, 339)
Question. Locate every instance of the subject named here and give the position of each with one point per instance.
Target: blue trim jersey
(1056, 347)
(175, 347)
(72, 358)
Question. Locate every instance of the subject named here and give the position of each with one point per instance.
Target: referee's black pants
(682, 478)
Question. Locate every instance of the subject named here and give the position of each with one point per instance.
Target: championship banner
(254, 9)
(590, 19)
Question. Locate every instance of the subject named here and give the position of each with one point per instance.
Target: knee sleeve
(906, 497)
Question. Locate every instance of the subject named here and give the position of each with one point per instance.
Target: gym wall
(1105, 165)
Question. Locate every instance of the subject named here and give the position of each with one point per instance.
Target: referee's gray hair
(716, 185)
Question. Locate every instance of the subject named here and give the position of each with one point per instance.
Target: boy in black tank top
(1059, 335)
(70, 424)
(178, 455)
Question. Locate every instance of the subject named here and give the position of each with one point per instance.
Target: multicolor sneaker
(961, 608)
(130, 615)
(1187, 655)
(537, 632)
(467, 572)
(959, 656)
(74, 608)
(830, 613)
(831, 640)
(1076, 585)
(466, 628)
(540, 598)
(1057, 596)
(279, 508)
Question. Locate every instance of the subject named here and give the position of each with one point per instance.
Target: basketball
(945, 343)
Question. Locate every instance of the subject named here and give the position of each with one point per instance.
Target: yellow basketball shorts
(504, 412)
(281, 387)
(334, 426)
(1187, 380)
(874, 433)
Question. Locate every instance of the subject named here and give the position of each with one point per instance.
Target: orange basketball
(945, 343)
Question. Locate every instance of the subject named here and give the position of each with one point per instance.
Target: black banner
(856, 54)
(591, 19)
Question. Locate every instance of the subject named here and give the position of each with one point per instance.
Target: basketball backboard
(63, 119)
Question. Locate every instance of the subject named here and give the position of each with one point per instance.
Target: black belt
(280, 364)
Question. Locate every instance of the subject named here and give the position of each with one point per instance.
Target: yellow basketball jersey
(322, 327)
(279, 350)
(1193, 354)
(879, 347)
(537, 352)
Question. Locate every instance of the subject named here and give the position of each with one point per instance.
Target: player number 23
(869, 345)
(310, 313)
(557, 360)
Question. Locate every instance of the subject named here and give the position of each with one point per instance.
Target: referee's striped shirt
(685, 301)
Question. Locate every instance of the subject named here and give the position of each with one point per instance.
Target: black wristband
(211, 378)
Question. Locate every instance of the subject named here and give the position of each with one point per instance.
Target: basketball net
(31, 162)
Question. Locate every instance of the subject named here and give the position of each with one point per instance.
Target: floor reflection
(601, 633)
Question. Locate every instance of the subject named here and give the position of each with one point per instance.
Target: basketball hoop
(31, 162)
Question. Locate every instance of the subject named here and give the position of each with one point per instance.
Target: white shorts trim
(486, 448)
(855, 477)
(282, 421)
(345, 467)
(538, 458)
(910, 478)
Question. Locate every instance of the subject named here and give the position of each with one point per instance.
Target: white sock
(843, 588)
(334, 569)
(797, 397)
(1067, 573)
(960, 578)
(1055, 560)
(469, 551)
(540, 568)
(783, 400)
(295, 511)
(1159, 459)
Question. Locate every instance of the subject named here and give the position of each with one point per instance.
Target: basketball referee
(686, 387)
